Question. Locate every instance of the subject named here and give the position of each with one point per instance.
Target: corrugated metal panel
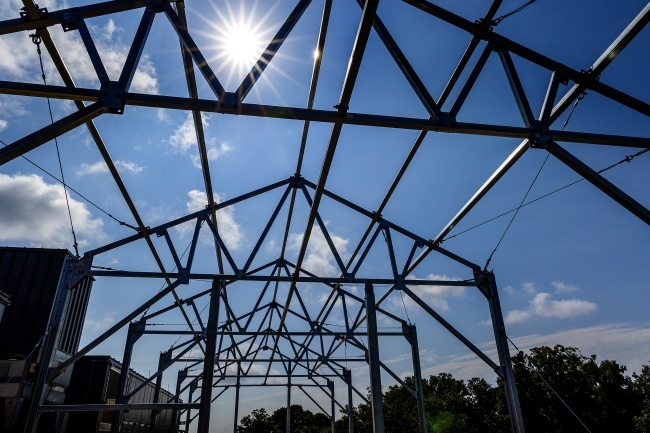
(86, 388)
(31, 276)
(75, 315)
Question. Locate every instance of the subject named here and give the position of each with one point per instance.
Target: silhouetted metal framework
(309, 357)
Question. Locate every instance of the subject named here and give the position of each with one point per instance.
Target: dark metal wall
(95, 381)
(31, 276)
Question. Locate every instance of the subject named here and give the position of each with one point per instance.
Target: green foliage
(302, 421)
(600, 393)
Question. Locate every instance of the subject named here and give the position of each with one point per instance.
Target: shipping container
(30, 277)
(95, 380)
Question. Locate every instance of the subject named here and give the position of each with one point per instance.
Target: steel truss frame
(230, 349)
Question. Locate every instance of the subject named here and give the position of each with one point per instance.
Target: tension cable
(628, 158)
(36, 39)
(516, 211)
(496, 21)
(122, 223)
(575, 104)
(534, 368)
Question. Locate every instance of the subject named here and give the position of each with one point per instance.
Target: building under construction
(51, 383)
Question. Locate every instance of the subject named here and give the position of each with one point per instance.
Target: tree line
(600, 394)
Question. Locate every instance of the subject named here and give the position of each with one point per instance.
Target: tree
(302, 421)
(599, 393)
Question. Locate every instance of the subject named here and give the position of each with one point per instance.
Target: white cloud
(319, 259)
(229, 229)
(3, 125)
(183, 140)
(18, 58)
(560, 287)
(529, 288)
(101, 167)
(128, 166)
(97, 324)
(625, 343)
(435, 295)
(98, 167)
(213, 154)
(515, 316)
(35, 212)
(542, 305)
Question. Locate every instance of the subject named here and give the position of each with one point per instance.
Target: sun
(239, 37)
(242, 45)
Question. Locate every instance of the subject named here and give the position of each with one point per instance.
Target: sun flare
(242, 45)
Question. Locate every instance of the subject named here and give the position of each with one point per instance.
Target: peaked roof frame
(235, 345)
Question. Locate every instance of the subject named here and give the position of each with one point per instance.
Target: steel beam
(487, 283)
(208, 364)
(347, 377)
(585, 79)
(411, 335)
(238, 386)
(330, 386)
(404, 65)
(34, 13)
(114, 407)
(50, 132)
(272, 49)
(288, 420)
(600, 182)
(133, 334)
(373, 362)
(197, 56)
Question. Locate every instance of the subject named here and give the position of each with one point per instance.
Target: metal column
(237, 391)
(373, 362)
(49, 344)
(188, 418)
(330, 385)
(133, 334)
(347, 376)
(208, 364)
(165, 357)
(486, 282)
(182, 375)
(288, 428)
(411, 335)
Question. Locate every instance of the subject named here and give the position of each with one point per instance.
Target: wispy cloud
(35, 212)
(435, 295)
(319, 259)
(98, 323)
(229, 229)
(543, 305)
(560, 287)
(101, 167)
(183, 140)
(625, 343)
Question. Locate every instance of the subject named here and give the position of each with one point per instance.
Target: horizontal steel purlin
(272, 333)
(115, 407)
(264, 278)
(325, 116)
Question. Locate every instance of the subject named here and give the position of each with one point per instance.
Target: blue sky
(572, 269)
